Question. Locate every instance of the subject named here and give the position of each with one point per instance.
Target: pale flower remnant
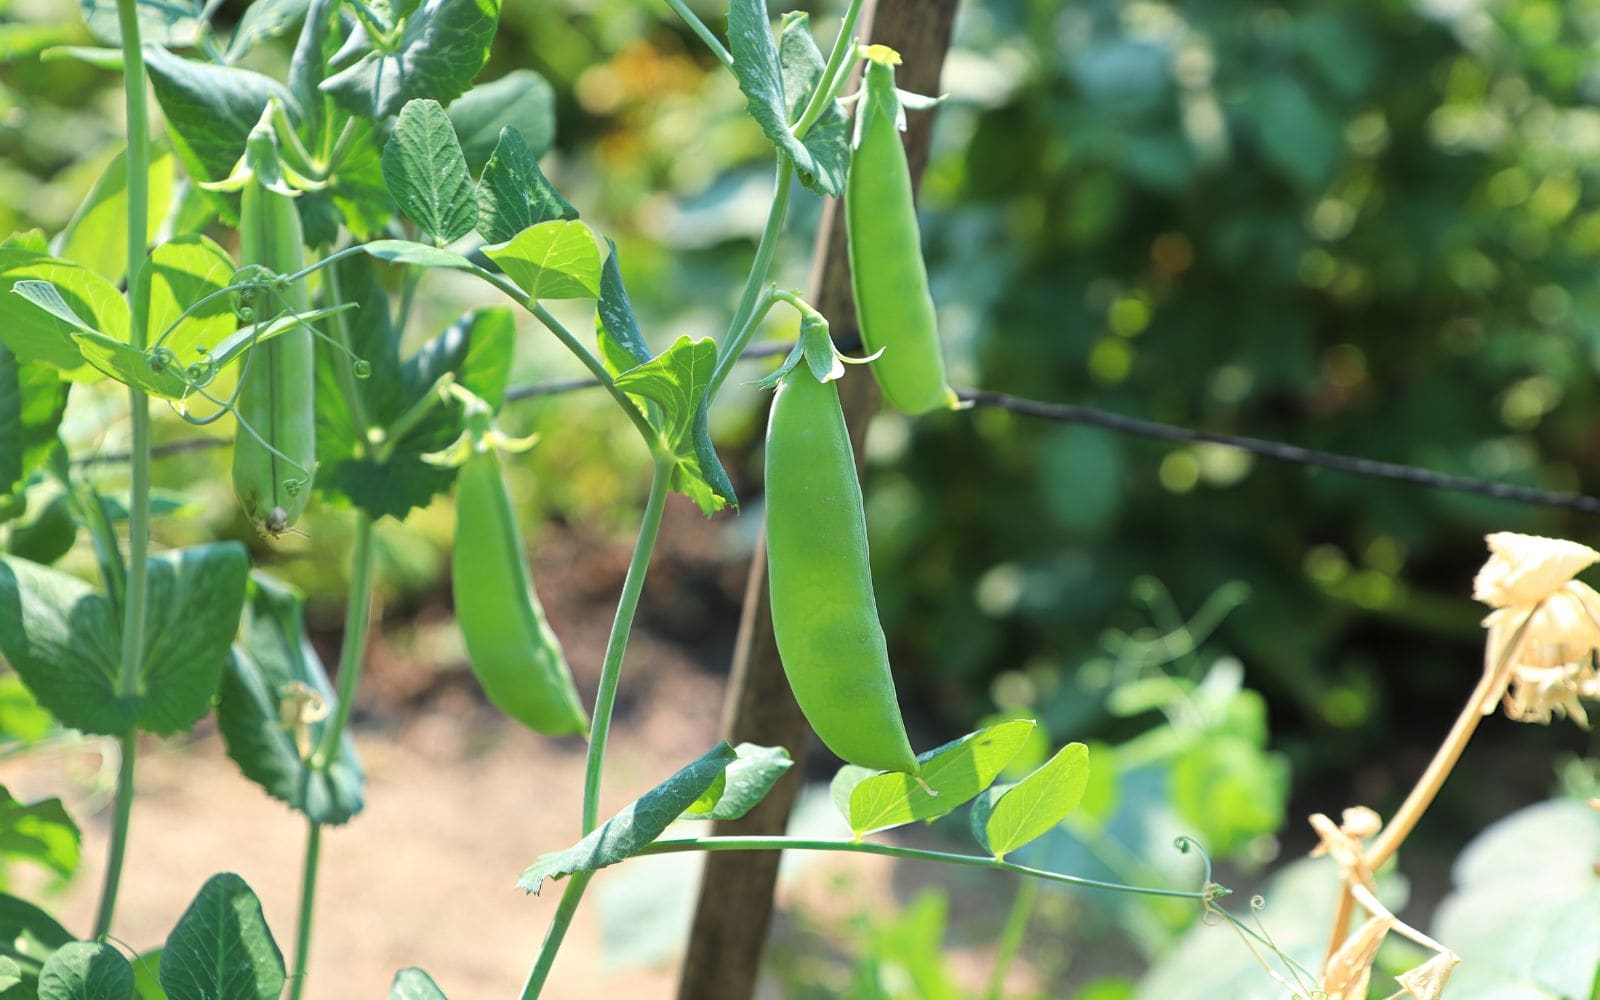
(1544, 631)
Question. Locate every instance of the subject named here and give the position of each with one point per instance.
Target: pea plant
(377, 155)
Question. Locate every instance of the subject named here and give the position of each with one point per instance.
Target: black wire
(1089, 417)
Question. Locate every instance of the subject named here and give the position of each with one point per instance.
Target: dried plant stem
(1427, 787)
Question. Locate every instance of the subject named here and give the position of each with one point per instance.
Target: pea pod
(273, 467)
(824, 612)
(514, 652)
(887, 273)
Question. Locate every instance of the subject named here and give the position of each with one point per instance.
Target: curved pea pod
(887, 273)
(514, 652)
(273, 467)
(824, 612)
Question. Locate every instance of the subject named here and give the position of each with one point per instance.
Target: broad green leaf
(64, 639)
(263, 20)
(28, 937)
(34, 334)
(954, 772)
(10, 974)
(42, 833)
(1033, 806)
(676, 382)
(552, 260)
(1297, 134)
(844, 784)
(761, 77)
(427, 173)
(96, 237)
(161, 22)
(521, 100)
(316, 45)
(622, 344)
(147, 976)
(828, 140)
(708, 799)
(748, 780)
(179, 274)
(634, 828)
(442, 46)
(357, 190)
(210, 109)
(85, 970)
(32, 401)
(414, 984)
(476, 351)
(275, 706)
(418, 255)
(222, 948)
(513, 193)
(1230, 790)
(22, 719)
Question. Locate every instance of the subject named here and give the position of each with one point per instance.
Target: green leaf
(426, 172)
(1033, 806)
(22, 720)
(552, 260)
(161, 22)
(210, 109)
(33, 400)
(955, 773)
(179, 274)
(844, 784)
(748, 780)
(419, 255)
(85, 970)
(414, 984)
(513, 193)
(42, 833)
(442, 46)
(634, 828)
(96, 237)
(522, 100)
(34, 334)
(476, 350)
(1230, 791)
(28, 39)
(761, 77)
(316, 46)
(275, 706)
(1297, 136)
(622, 344)
(264, 20)
(28, 937)
(357, 189)
(64, 639)
(222, 948)
(10, 974)
(147, 976)
(828, 139)
(676, 382)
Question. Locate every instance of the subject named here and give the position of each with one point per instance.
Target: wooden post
(734, 911)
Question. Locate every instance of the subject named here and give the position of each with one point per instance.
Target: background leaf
(210, 109)
(442, 46)
(521, 100)
(42, 833)
(96, 235)
(414, 984)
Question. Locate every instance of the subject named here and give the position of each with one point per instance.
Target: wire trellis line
(1088, 416)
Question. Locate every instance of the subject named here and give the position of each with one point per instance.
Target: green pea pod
(824, 613)
(514, 652)
(273, 467)
(890, 280)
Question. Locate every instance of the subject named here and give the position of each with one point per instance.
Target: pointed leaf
(955, 772)
(442, 46)
(414, 984)
(513, 193)
(180, 273)
(748, 780)
(275, 706)
(676, 382)
(96, 235)
(210, 109)
(634, 828)
(42, 833)
(426, 172)
(263, 20)
(84, 970)
(1036, 804)
(551, 260)
(64, 639)
(163, 22)
(521, 100)
(222, 948)
(760, 74)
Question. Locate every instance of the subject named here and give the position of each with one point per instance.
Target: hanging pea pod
(887, 273)
(824, 611)
(274, 453)
(514, 653)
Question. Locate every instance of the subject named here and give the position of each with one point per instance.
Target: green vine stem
(741, 329)
(605, 701)
(138, 162)
(833, 74)
(1203, 895)
(1005, 951)
(706, 34)
(308, 903)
